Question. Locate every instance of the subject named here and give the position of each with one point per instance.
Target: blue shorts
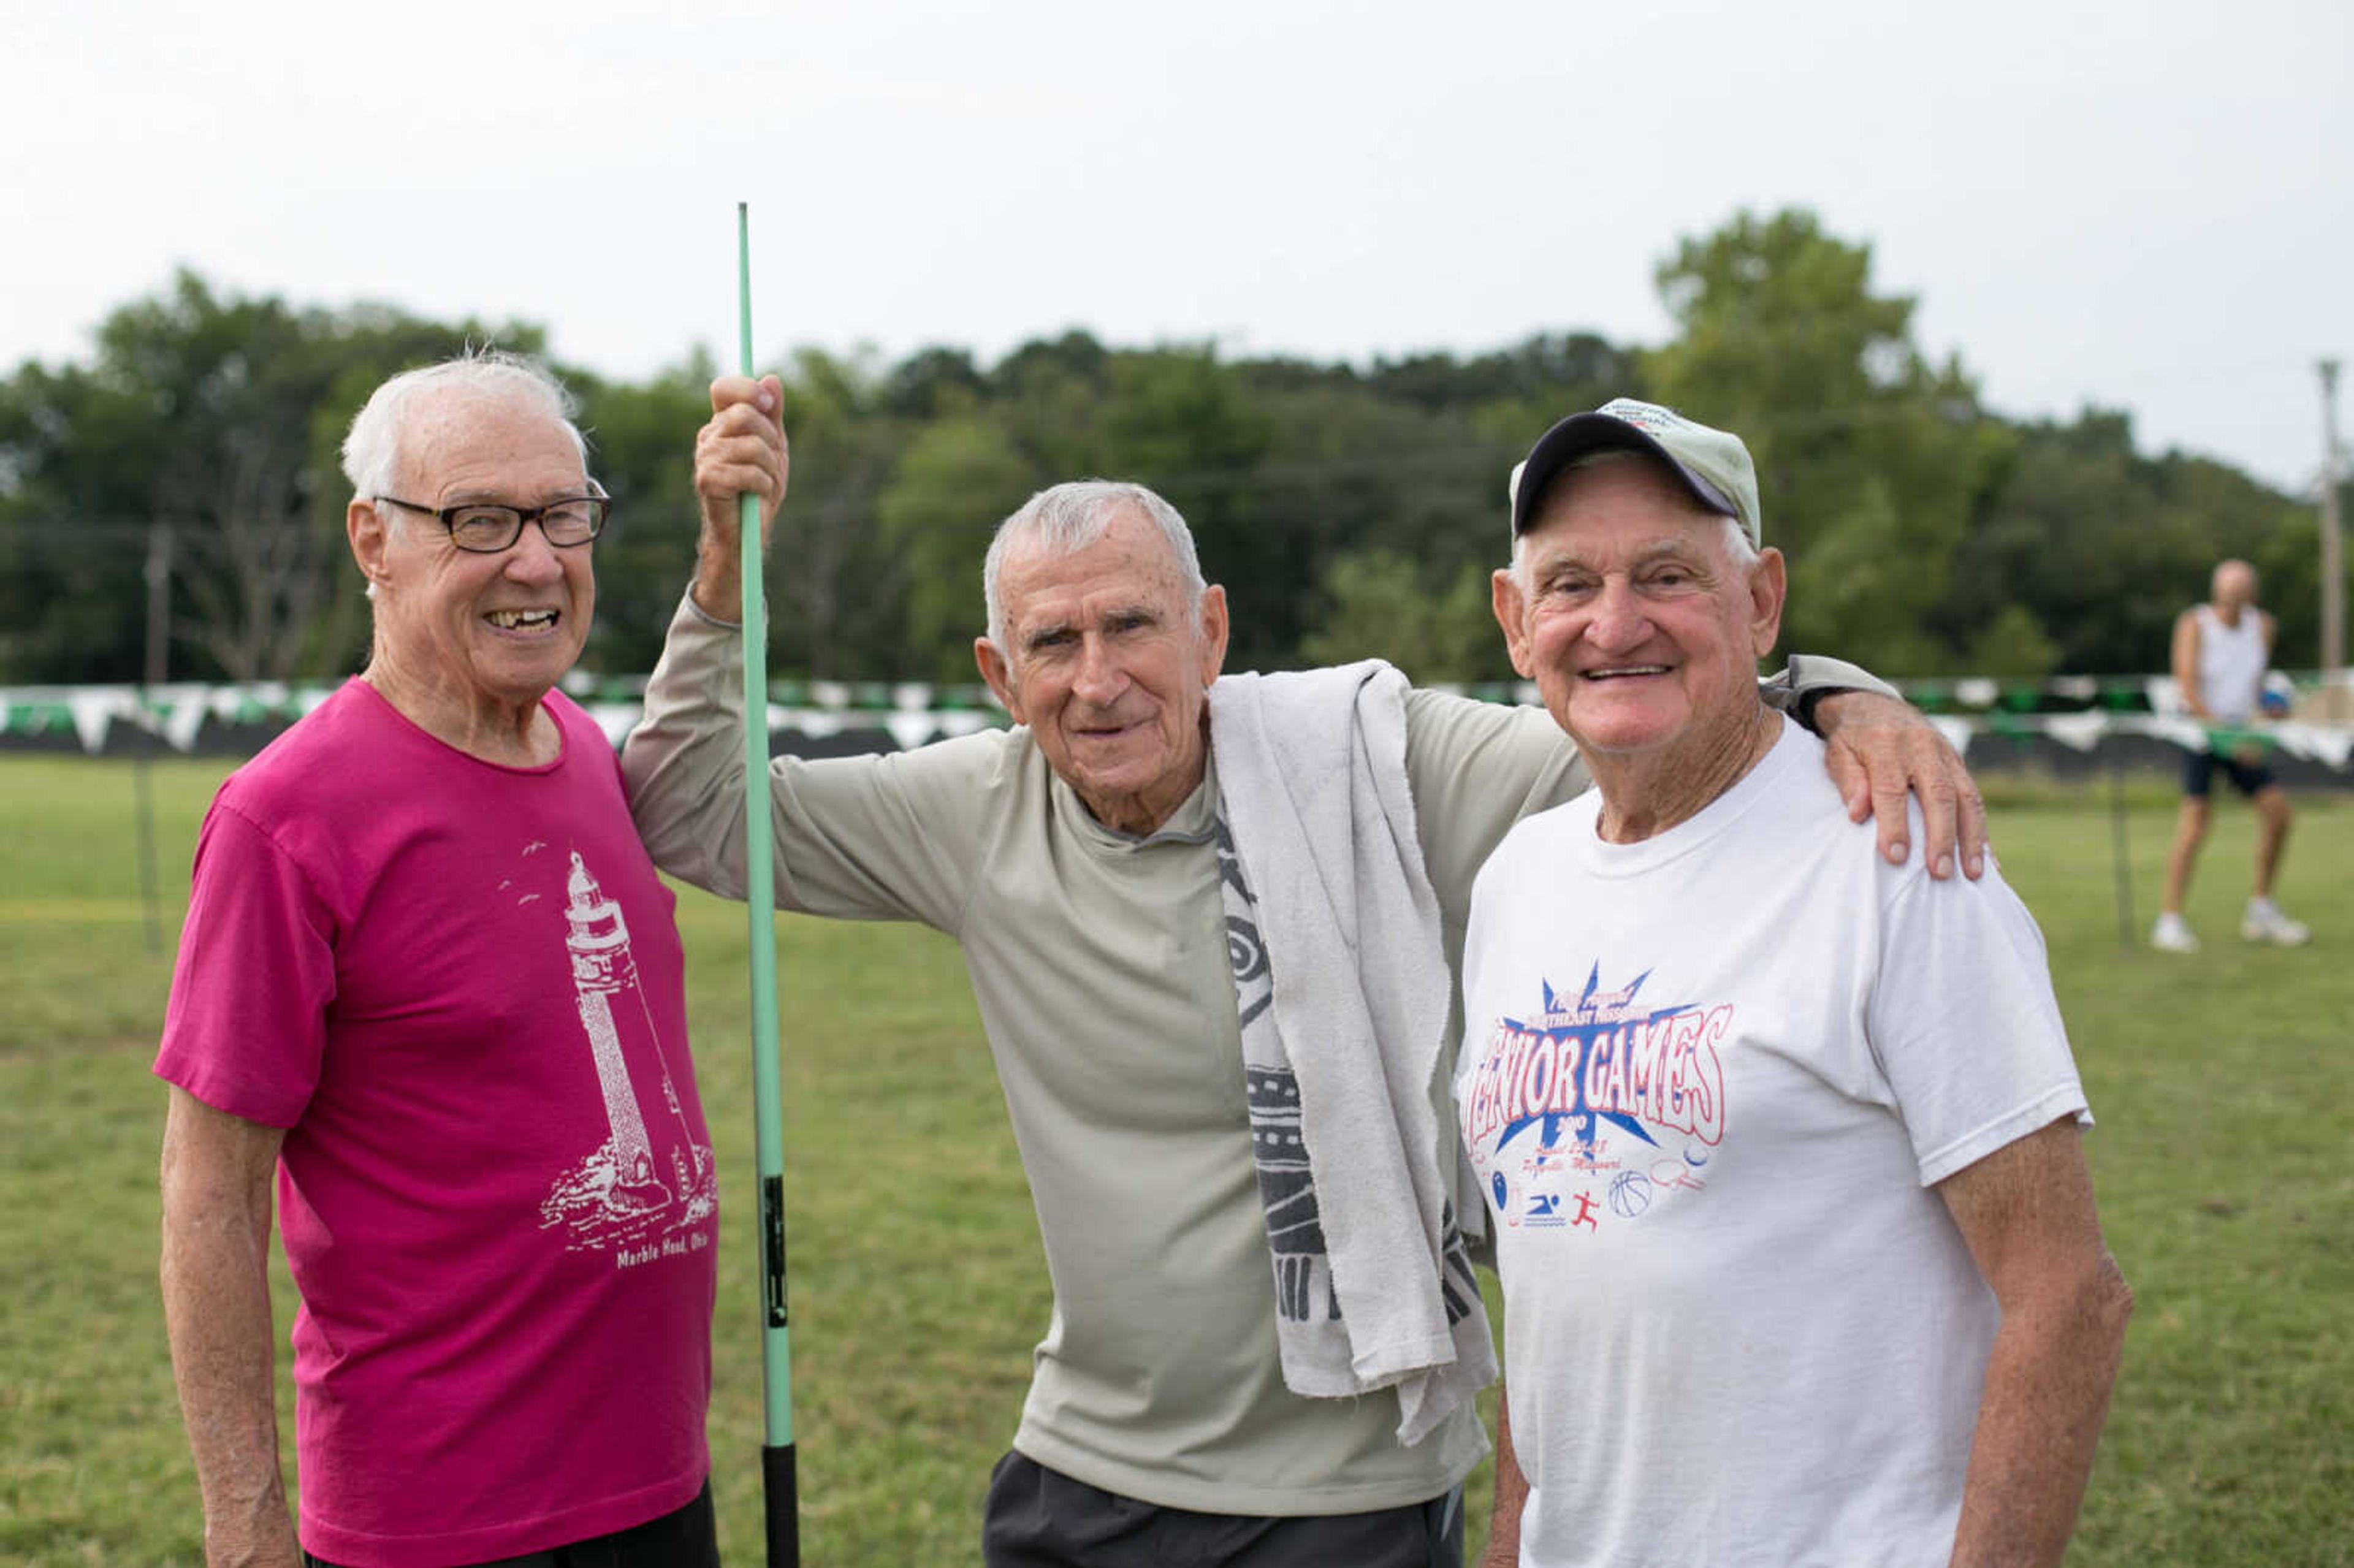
(2199, 774)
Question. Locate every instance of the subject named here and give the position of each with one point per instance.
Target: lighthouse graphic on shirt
(650, 1176)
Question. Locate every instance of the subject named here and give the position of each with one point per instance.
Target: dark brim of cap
(1582, 433)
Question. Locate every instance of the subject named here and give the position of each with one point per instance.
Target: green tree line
(1349, 509)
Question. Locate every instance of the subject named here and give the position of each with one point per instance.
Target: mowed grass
(2221, 1161)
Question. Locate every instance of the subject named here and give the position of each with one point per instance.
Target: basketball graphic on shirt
(1630, 1193)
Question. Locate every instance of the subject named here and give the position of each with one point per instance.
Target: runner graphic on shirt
(650, 1177)
(1592, 1112)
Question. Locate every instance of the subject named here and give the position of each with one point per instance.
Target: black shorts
(1038, 1517)
(686, 1538)
(2199, 774)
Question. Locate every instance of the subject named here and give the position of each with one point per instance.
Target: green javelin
(778, 1487)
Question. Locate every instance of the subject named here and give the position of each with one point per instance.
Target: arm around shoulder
(1879, 749)
(1814, 676)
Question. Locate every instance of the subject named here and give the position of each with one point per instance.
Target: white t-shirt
(1707, 1081)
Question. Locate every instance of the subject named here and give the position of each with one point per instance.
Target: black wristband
(1803, 710)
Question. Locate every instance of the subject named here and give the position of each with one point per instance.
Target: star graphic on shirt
(1592, 1014)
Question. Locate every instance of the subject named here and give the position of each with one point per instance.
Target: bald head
(2235, 586)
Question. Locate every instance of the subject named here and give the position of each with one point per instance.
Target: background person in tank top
(2220, 651)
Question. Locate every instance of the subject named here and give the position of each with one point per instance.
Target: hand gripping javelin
(777, 1485)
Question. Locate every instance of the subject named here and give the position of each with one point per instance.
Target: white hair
(1737, 547)
(1067, 518)
(373, 451)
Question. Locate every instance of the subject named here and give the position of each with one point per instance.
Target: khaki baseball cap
(1711, 463)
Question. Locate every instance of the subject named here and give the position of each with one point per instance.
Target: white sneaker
(2171, 936)
(2263, 922)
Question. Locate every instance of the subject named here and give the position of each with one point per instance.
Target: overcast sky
(2145, 206)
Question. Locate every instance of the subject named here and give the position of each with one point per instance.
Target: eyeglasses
(486, 529)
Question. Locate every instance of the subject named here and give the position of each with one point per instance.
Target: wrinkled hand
(1879, 749)
(741, 449)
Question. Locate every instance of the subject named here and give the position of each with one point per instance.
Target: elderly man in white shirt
(1799, 1256)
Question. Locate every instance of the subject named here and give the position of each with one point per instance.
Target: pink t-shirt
(459, 987)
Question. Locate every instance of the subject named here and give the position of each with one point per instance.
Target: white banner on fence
(179, 712)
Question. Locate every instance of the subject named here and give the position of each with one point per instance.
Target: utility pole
(159, 642)
(2332, 551)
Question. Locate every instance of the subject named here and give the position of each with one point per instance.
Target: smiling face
(1627, 607)
(1105, 664)
(466, 644)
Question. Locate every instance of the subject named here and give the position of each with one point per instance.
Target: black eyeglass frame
(447, 515)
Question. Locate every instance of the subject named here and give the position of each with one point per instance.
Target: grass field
(2222, 1164)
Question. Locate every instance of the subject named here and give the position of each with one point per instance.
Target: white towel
(1342, 984)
